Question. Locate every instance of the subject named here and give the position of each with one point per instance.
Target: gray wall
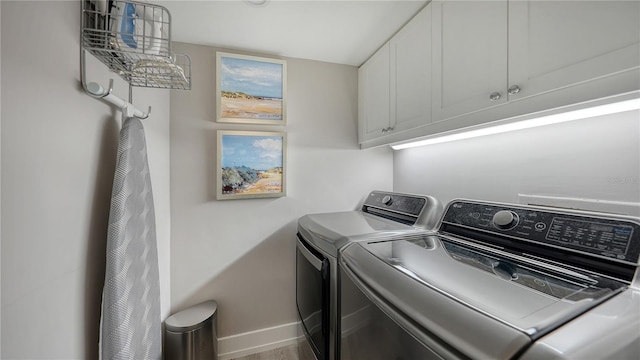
(241, 252)
(58, 158)
(596, 158)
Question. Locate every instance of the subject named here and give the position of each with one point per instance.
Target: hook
(99, 92)
(145, 115)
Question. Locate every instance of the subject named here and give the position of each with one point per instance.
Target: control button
(540, 226)
(475, 215)
(387, 200)
(505, 219)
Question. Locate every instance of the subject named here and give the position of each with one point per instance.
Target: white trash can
(191, 334)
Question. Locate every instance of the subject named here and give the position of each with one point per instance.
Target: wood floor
(290, 352)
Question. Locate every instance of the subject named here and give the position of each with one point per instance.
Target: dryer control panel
(401, 203)
(599, 234)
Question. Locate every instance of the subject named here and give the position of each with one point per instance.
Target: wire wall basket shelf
(133, 39)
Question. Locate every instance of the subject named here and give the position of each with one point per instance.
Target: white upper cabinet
(488, 53)
(395, 83)
(495, 60)
(555, 44)
(373, 95)
(411, 73)
(469, 56)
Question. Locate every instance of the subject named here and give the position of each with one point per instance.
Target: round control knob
(505, 219)
(387, 200)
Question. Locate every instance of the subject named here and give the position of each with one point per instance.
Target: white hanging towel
(130, 324)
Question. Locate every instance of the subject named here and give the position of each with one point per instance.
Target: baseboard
(257, 341)
(253, 342)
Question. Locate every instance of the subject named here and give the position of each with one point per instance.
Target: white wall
(242, 252)
(0, 184)
(597, 158)
(58, 152)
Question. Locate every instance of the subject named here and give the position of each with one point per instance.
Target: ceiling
(343, 31)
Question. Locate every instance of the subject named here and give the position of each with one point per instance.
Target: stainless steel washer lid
(450, 293)
(331, 231)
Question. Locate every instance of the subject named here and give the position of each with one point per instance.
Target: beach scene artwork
(251, 89)
(250, 164)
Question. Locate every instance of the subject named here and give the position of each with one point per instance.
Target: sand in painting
(270, 182)
(252, 108)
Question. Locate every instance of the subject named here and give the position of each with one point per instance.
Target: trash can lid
(191, 318)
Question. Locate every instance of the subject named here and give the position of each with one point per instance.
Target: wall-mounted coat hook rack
(97, 91)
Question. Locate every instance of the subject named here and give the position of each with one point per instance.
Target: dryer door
(312, 296)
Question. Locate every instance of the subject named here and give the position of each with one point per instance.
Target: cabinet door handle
(495, 96)
(385, 130)
(390, 128)
(514, 90)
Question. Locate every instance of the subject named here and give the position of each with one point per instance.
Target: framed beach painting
(251, 164)
(250, 89)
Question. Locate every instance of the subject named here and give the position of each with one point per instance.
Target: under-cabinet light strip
(600, 110)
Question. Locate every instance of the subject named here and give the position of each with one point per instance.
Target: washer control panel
(600, 234)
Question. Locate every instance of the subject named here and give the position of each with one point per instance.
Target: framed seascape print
(250, 89)
(251, 164)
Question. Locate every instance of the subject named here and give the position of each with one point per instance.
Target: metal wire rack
(133, 39)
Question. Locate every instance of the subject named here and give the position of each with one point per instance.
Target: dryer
(319, 239)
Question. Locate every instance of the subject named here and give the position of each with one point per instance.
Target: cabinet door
(373, 96)
(411, 73)
(555, 44)
(469, 56)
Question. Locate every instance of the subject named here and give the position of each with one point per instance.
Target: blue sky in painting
(251, 77)
(256, 152)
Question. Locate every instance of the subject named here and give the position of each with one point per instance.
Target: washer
(498, 281)
(319, 239)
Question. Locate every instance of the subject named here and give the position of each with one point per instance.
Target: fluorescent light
(633, 104)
